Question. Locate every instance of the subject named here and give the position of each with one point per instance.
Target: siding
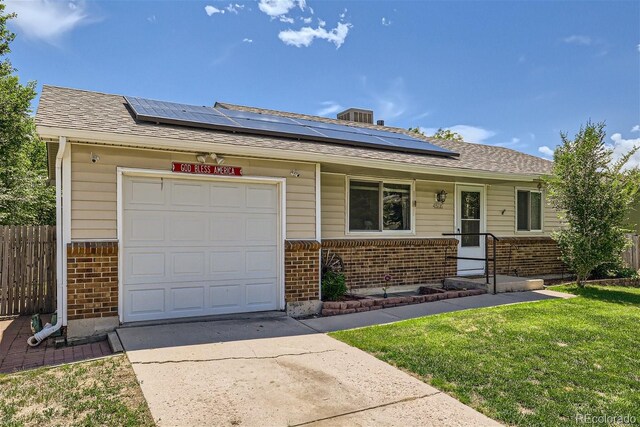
(431, 221)
(94, 192)
(503, 196)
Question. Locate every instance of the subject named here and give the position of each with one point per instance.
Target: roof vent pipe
(380, 122)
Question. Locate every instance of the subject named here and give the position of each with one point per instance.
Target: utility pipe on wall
(49, 329)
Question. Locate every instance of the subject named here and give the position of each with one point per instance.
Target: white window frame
(542, 203)
(379, 233)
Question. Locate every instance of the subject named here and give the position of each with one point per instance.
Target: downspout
(48, 328)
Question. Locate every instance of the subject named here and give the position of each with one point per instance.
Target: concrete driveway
(275, 371)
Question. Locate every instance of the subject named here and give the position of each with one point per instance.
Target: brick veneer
(528, 256)
(301, 270)
(92, 280)
(406, 261)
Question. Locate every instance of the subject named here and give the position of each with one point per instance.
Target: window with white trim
(377, 206)
(529, 210)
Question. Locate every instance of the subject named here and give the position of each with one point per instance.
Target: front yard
(97, 393)
(544, 363)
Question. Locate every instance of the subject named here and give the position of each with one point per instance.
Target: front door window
(470, 217)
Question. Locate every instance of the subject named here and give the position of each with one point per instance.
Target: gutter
(156, 143)
(49, 329)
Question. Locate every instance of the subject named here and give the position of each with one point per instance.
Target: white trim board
(118, 139)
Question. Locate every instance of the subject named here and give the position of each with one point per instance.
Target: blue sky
(512, 73)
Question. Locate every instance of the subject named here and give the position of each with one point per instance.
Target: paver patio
(16, 355)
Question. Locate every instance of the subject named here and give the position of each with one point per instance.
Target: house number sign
(199, 168)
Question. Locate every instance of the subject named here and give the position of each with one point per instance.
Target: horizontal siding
(501, 197)
(333, 205)
(94, 189)
(430, 221)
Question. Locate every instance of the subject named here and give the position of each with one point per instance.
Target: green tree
(594, 194)
(25, 197)
(441, 133)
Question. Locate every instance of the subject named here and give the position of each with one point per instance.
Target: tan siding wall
(430, 221)
(503, 196)
(94, 190)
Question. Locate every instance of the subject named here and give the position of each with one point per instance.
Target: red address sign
(199, 168)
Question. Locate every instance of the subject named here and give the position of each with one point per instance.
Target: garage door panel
(262, 197)
(261, 229)
(225, 195)
(261, 262)
(187, 298)
(188, 264)
(199, 248)
(144, 191)
(189, 194)
(230, 261)
(260, 295)
(226, 297)
(144, 265)
(145, 302)
(225, 228)
(187, 228)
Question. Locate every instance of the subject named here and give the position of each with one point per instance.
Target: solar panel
(270, 124)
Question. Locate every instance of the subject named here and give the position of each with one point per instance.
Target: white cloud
(636, 128)
(391, 102)
(286, 19)
(638, 47)
(306, 20)
(578, 39)
(234, 8)
(211, 10)
(276, 8)
(511, 143)
(343, 14)
(546, 151)
(622, 146)
(385, 22)
(472, 133)
(321, 23)
(329, 107)
(47, 20)
(305, 35)
(245, 40)
(151, 18)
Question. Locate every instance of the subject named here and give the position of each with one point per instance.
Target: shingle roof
(99, 112)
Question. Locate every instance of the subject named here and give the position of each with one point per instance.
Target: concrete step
(504, 283)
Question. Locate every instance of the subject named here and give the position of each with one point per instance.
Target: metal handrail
(486, 256)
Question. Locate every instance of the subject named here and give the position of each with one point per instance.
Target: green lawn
(541, 363)
(96, 393)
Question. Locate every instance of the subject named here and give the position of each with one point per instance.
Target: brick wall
(406, 261)
(301, 270)
(528, 256)
(92, 276)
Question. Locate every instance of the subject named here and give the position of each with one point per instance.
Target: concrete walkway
(277, 372)
(271, 370)
(394, 314)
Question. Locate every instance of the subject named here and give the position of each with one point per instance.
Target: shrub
(333, 286)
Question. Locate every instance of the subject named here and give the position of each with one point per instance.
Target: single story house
(168, 210)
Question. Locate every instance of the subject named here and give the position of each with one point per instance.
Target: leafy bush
(333, 286)
(613, 271)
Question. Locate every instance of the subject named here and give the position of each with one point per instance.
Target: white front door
(470, 219)
(198, 247)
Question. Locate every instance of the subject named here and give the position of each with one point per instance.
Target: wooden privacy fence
(631, 256)
(27, 269)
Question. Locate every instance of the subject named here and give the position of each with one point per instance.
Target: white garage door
(198, 247)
